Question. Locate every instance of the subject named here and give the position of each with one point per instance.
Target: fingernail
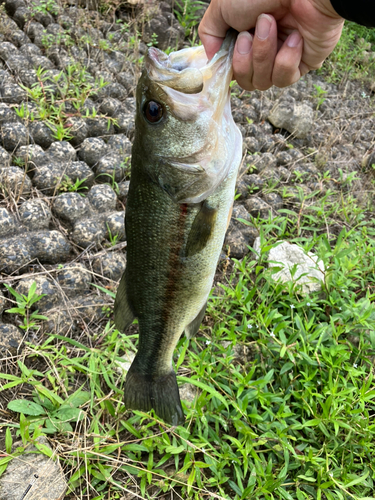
(293, 39)
(263, 26)
(244, 42)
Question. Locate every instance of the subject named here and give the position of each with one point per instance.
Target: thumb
(238, 14)
(212, 29)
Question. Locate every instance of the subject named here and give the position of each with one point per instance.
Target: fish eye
(153, 111)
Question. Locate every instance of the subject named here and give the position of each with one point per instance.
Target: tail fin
(144, 392)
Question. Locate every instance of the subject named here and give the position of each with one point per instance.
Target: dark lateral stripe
(174, 267)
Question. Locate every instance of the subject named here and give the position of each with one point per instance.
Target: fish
(185, 158)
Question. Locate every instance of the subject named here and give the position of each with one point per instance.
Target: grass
(285, 387)
(284, 382)
(352, 57)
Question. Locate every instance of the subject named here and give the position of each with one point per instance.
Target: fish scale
(183, 174)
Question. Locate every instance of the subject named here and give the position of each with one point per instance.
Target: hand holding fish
(294, 37)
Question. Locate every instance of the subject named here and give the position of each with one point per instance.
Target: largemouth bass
(185, 158)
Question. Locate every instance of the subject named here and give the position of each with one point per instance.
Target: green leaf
(358, 480)
(205, 387)
(66, 414)
(26, 407)
(46, 450)
(174, 450)
(78, 398)
(286, 368)
(16, 310)
(8, 441)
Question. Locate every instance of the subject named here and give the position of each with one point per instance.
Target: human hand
(291, 38)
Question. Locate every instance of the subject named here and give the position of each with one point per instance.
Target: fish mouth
(195, 92)
(188, 71)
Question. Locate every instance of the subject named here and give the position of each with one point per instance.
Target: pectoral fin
(201, 230)
(193, 327)
(123, 314)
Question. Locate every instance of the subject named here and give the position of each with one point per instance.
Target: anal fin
(145, 392)
(123, 314)
(201, 229)
(193, 327)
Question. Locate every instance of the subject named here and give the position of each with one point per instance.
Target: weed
(24, 304)
(67, 185)
(112, 237)
(187, 14)
(44, 7)
(319, 95)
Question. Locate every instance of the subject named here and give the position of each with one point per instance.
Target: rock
(49, 247)
(77, 129)
(48, 177)
(99, 126)
(14, 254)
(62, 150)
(274, 200)
(14, 182)
(110, 167)
(123, 190)
(121, 144)
(261, 161)
(41, 134)
(7, 222)
(89, 232)
(188, 393)
(236, 244)
(110, 106)
(125, 123)
(256, 206)
(79, 170)
(21, 471)
(286, 256)
(102, 198)
(10, 343)
(123, 366)
(7, 114)
(92, 149)
(115, 224)
(111, 266)
(167, 35)
(3, 302)
(254, 181)
(74, 279)
(4, 158)
(14, 135)
(43, 287)
(35, 214)
(284, 158)
(297, 119)
(114, 90)
(13, 94)
(71, 207)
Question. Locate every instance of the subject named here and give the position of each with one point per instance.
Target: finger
(238, 14)
(242, 61)
(287, 68)
(212, 29)
(264, 51)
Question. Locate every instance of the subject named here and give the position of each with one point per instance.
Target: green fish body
(185, 159)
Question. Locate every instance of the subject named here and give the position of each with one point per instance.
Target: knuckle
(262, 85)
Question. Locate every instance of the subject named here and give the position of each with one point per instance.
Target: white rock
(287, 255)
(296, 118)
(123, 366)
(188, 392)
(45, 476)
